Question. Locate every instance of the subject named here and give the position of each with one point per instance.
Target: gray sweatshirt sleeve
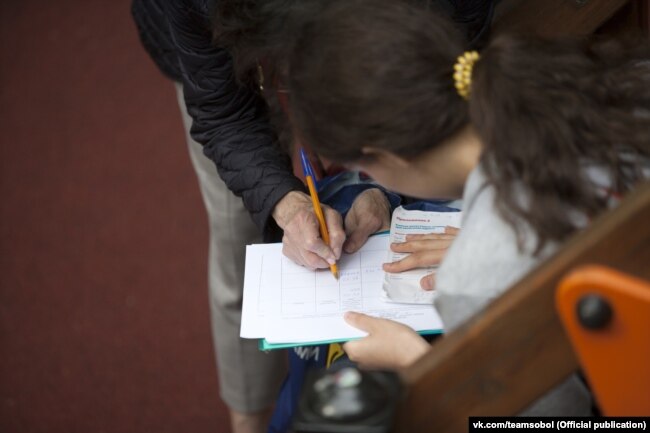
(482, 263)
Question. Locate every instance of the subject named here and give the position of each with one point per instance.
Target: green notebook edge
(265, 346)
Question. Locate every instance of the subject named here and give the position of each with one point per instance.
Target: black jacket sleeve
(230, 121)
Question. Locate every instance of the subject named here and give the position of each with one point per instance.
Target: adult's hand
(370, 213)
(302, 241)
(389, 345)
(424, 251)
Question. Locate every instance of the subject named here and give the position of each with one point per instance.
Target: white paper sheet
(287, 303)
(405, 286)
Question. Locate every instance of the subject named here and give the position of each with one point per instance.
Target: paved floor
(103, 238)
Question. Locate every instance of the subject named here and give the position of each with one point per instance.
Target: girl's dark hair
(544, 110)
(261, 32)
(260, 35)
(264, 32)
(253, 30)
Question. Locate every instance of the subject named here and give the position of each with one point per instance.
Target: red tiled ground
(103, 301)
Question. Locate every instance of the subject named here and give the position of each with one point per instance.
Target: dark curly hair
(260, 35)
(267, 29)
(255, 31)
(542, 109)
(263, 33)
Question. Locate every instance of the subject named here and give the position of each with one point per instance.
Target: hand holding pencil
(311, 184)
(314, 236)
(303, 242)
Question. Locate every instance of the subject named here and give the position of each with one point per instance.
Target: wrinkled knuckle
(303, 215)
(291, 230)
(338, 236)
(311, 243)
(331, 213)
(288, 251)
(312, 262)
(373, 221)
(309, 262)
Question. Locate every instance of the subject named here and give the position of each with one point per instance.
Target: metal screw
(594, 312)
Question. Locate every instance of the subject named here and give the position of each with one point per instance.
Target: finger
(302, 257)
(350, 224)
(383, 215)
(309, 240)
(452, 230)
(414, 261)
(366, 217)
(420, 237)
(313, 261)
(359, 233)
(428, 282)
(316, 254)
(352, 349)
(355, 241)
(335, 229)
(360, 321)
(425, 245)
(289, 251)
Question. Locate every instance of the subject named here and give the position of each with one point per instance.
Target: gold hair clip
(463, 72)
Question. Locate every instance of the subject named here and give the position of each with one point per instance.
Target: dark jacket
(229, 120)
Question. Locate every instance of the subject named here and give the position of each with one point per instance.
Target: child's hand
(389, 344)
(425, 250)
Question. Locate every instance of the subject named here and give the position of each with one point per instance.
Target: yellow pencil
(307, 170)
